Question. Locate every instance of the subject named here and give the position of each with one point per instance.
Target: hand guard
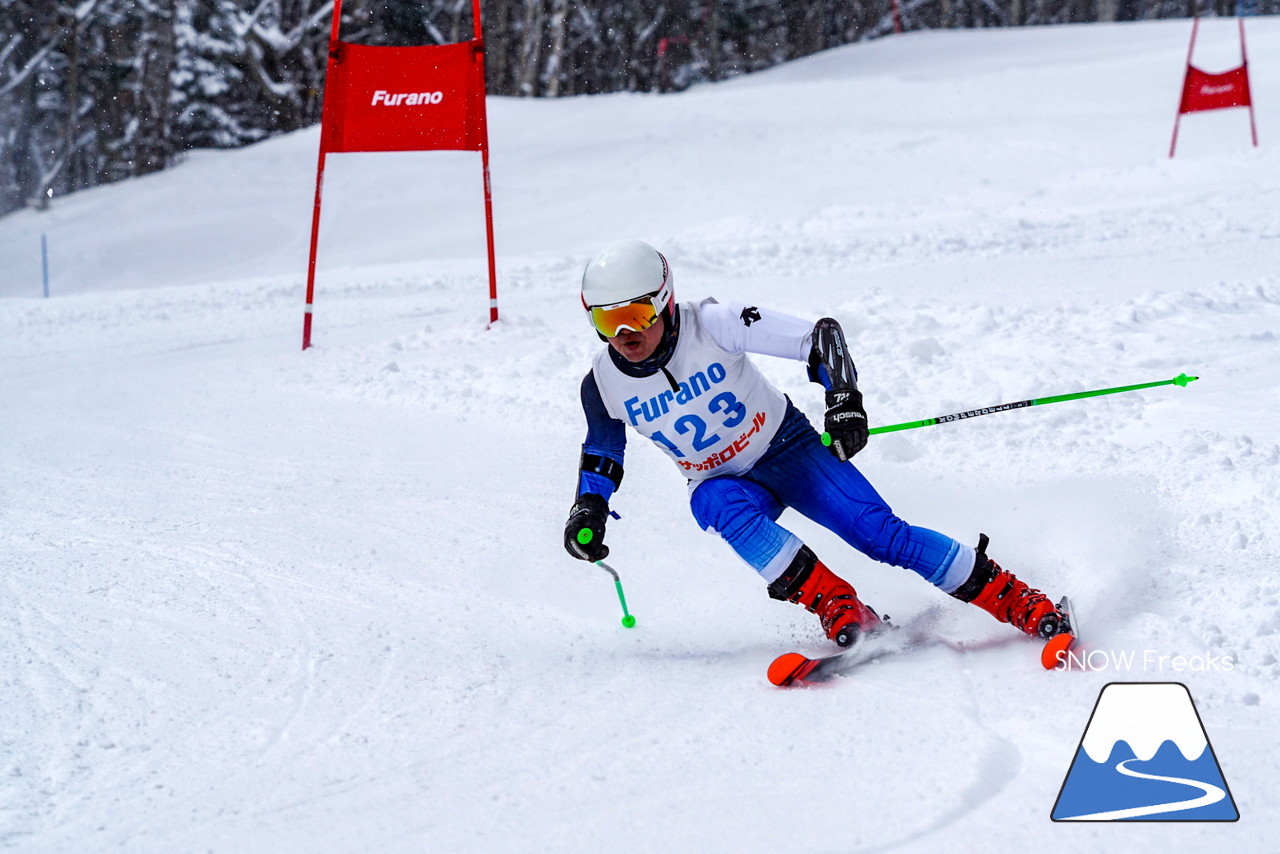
(584, 532)
(845, 422)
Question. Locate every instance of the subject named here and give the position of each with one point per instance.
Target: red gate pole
(315, 213)
(1195, 25)
(311, 261)
(484, 159)
(488, 219)
(1244, 58)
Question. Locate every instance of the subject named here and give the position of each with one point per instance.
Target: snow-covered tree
(98, 90)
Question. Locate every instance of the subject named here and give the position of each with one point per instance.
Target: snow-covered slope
(263, 600)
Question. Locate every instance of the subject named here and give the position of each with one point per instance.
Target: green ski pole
(627, 620)
(1179, 380)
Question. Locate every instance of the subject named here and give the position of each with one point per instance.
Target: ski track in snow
(260, 600)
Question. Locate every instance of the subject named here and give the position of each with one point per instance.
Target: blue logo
(1145, 756)
(659, 405)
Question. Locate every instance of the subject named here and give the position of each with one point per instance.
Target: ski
(1055, 649)
(792, 667)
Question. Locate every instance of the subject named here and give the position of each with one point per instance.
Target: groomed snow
(260, 600)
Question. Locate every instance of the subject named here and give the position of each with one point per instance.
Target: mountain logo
(1145, 756)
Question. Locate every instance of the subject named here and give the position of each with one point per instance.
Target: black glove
(846, 422)
(584, 532)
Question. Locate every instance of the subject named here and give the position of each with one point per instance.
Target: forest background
(95, 91)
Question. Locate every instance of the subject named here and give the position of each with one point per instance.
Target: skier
(679, 375)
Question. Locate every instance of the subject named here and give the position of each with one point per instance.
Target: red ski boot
(1003, 596)
(808, 582)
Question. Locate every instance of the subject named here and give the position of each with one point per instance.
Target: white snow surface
(262, 600)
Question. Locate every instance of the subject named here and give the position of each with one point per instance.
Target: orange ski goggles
(636, 315)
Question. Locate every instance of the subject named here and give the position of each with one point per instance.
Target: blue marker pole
(44, 263)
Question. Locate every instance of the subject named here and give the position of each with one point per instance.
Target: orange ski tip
(1055, 649)
(787, 668)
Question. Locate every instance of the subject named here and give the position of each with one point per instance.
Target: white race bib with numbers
(720, 417)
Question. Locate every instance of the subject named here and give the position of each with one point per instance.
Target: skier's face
(638, 346)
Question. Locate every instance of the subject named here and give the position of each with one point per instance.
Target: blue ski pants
(798, 471)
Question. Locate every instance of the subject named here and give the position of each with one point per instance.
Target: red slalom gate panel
(403, 99)
(1204, 91)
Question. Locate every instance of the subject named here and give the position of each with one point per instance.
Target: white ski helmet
(624, 271)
